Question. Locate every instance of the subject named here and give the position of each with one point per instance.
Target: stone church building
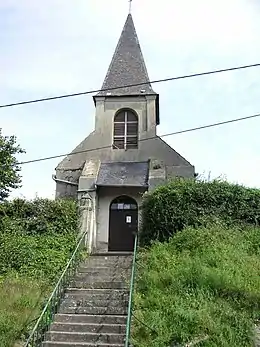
(123, 157)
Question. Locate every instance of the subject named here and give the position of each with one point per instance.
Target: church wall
(64, 190)
(150, 149)
(154, 148)
(180, 171)
(105, 197)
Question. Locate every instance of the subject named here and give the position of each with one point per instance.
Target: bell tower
(126, 90)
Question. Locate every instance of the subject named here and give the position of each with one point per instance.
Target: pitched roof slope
(127, 66)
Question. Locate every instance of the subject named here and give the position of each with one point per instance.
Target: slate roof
(127, 66)
(133, 174)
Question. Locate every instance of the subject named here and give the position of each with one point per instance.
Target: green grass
(37, 239)
(31, 265)
(203, 284)
(21, 300)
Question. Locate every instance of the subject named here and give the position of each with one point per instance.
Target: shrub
(37, 239)
(181, 203)
(39, 216)
(39, 256)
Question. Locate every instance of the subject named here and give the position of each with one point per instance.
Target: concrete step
(94, 303)
(107, 264)
(92, 328)
(79, 344)
(61, 336)
(109, 260)
(98, 297)
(111, 256)
(92, 291)
(101, 278)
(112, 253)
(99, 285)
(96, 294)
(92, 310)
(103, 270)
(107, 274)
(90, 319)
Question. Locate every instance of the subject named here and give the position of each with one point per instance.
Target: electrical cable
(145, 139)
(130, 85)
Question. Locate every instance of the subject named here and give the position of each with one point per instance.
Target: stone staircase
(94, 310)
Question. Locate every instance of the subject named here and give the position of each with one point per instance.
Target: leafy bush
(182, 203)
(39, 256)
(39, 216)
(37, 239)
(203, 284)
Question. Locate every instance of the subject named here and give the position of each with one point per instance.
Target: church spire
(127, 66)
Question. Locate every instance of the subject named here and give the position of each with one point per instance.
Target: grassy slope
(20, 302)
(24, 288)
(204, 283)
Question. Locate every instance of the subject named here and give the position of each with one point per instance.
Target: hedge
(182, 203)
(39, 216)
(37, 237)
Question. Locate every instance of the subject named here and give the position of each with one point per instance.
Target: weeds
(204, 282)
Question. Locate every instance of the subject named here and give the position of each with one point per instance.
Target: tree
(9, 168)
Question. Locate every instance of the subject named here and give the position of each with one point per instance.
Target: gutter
(73, 184)
(63, 181)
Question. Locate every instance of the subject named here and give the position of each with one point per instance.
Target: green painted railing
(46, 318)
(131, 292)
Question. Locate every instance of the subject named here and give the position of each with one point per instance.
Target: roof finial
(130, 6)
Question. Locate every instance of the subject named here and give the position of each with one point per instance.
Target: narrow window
(125, 130)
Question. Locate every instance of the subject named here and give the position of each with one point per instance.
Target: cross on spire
(130, 6)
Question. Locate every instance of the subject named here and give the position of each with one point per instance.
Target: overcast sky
(55, 47)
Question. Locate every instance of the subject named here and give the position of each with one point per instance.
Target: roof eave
(123, 185)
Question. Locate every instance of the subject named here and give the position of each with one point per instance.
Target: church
(123, 157)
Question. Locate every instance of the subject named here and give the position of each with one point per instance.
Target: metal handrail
(129, 313)
(46, 317)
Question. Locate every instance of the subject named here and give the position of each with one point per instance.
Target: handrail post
(129, 313)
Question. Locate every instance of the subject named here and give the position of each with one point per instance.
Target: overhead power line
(129, 85)
(146, 139)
